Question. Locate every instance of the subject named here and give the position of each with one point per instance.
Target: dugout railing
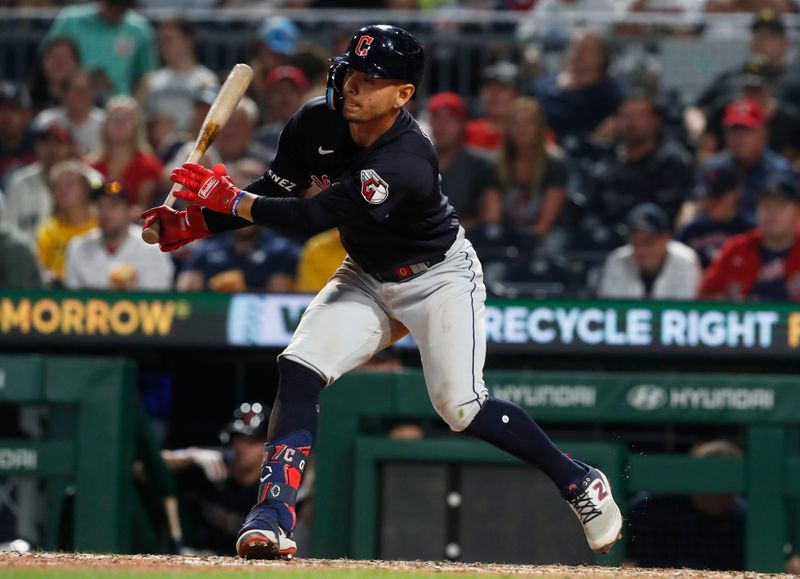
(767, 407)
(93, 431)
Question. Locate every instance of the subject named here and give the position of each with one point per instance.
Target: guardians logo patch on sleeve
(373, 189)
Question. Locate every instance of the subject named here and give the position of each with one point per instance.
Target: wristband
(236, 203)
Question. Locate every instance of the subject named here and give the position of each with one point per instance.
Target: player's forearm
(218, 222)
(289, 213)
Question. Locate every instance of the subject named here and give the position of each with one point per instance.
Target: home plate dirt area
(71, 565)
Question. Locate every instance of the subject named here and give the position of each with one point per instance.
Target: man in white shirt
(651, 265)
(77, 112)
(113, 255)
(30, 200)
(169, 92)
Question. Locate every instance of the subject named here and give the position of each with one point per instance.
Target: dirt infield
(319, 567)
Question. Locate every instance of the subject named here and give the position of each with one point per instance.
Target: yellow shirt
(322, 255)
(52, 238)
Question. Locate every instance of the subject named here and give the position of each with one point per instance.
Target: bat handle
(152, 233)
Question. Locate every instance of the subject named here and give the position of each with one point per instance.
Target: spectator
(757, 83)
(30, 201)
(16, 147)
(768, 39)
(251, 258)
(73, 214)
(783, 118)
(532, 174)
(465, 175)
(699, 532)
(498, 90)
(177, 153)
(720, 217)
(652, 265)
(287, 89)
(312, 60)
(114, 256)
(77, 113)
(60, 59)
(169, 92)
(124, 153)
(746, 149)
(320, 257)
(645, 166)
(579, 99)
(276, 42)
(217, 486)
(763, 264)
(112, 38)
(237, 146)
(18, 266)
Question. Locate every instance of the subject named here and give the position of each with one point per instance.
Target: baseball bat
(174, 523)
(223, 106)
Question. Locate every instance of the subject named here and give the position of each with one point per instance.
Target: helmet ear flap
(334, 94)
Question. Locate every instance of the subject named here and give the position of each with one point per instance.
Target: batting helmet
(248, 420)
(381, 51)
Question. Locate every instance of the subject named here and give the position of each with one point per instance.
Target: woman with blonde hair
(73, 214)
(531, 172)
(124, 153)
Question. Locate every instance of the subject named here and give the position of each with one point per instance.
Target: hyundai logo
(647, 397)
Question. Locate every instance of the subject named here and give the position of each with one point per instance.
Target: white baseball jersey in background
(89, 263)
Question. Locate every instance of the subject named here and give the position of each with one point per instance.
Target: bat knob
(151, 234)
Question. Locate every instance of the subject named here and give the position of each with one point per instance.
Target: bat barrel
(229, 96)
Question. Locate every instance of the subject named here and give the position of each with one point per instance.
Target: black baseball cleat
(591, 500)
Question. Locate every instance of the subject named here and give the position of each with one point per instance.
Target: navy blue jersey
(385, 199)
(770, 284)
(707, 236)
(271, 254)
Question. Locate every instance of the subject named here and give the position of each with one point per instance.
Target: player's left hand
(210, 188)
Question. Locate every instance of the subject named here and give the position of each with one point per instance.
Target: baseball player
(409, 268)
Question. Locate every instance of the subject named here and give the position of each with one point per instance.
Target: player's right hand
(177, 227)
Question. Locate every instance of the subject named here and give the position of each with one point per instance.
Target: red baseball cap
(447, 100)
(55, 130)
(744, 113)
(289, 73)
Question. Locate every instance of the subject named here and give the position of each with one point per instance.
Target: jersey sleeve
(373, 192)
(288, 173)
(287, 176)
(384, 183)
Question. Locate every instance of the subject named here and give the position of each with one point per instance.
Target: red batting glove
(212, 189)
(177, 227)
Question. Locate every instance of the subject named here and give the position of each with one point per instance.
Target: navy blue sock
(297, 402)
(509, 428)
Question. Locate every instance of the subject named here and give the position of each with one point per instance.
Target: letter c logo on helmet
(363, 46)
(379, 51)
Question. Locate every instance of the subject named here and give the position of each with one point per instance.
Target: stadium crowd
(571, 178)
